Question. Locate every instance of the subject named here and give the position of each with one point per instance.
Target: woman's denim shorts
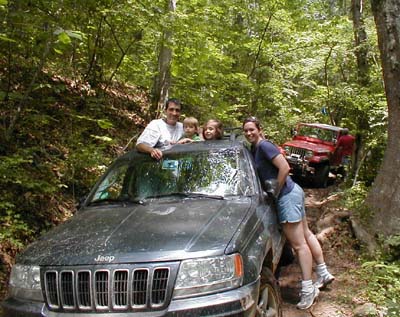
(291, 206)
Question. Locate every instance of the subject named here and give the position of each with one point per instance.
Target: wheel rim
(268, 303)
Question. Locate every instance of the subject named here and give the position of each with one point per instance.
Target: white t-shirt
(159, 134)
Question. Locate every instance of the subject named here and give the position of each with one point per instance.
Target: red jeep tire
(321, 176)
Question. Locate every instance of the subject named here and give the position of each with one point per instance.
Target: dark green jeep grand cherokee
(191, 235)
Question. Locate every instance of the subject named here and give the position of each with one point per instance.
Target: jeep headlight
(309, 154)
(286, 148)
(25, 282)
(208, 275)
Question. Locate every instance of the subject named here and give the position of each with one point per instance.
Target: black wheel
(321, 176)
(342, 171)
(269, 298)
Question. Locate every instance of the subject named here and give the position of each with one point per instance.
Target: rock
(362, 235)
(366, 310)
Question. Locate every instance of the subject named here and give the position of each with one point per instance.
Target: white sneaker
(307, 299)
(324, 281)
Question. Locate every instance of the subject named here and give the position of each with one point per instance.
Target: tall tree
(384, 196)
(360, 39)
(361, 52)
(162, 80)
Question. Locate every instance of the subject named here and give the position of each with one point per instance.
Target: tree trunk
(360, 38)
(162, 80)
(384, 197)
(361, 52)
(93, 74)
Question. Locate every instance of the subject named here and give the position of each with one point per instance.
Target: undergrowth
(381, 273)
(58, 148)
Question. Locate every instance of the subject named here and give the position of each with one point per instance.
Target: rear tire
(321, 176)
(269, 299)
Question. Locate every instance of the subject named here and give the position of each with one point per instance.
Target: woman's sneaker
(324, 281)
(307, 299)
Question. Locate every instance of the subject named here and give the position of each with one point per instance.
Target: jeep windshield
(316, 133)
(214, 174)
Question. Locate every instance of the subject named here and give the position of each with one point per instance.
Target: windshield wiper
(167, 195)
(196, 195)
(188, 195)
(116, 201)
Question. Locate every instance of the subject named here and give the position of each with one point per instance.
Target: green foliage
(382, 274)
(14, 229)
(383, 284)
(355, 196)
(19, 188)
(57, 152)
(391, 248)
(355, 201)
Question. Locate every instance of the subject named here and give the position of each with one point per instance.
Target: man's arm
(154, 153)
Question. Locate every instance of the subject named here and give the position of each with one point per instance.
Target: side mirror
(271, 186)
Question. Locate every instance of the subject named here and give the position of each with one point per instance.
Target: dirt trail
(330, 223)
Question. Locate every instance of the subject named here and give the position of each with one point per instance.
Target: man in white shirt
(161, 133)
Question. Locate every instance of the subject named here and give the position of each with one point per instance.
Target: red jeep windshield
(316, 133)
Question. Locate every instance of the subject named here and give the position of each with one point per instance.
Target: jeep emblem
(105, 258)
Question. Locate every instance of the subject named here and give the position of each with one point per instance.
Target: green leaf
(6, 39)
(75, 34)
(3, 2)
(64, 38)
(104, 123)
(58, 51)
(102, 138)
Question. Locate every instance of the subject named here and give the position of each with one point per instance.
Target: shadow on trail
(308, 184)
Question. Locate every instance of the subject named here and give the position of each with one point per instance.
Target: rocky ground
(331, 224)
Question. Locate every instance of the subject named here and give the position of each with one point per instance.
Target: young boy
(191, 131)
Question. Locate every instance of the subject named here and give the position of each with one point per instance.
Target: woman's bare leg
(313, 243)
(323, 276)
(294, 232)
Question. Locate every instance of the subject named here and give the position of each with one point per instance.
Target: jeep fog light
(208, 275)
(25, 282)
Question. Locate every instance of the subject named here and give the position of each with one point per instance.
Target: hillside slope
(65, 134)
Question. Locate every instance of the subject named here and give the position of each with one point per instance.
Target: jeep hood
(160, 231)
(316, 147)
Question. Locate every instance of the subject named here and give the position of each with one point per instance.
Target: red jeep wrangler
(311, 152)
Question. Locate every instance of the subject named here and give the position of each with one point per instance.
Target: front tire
(269, 298)
(321, 176)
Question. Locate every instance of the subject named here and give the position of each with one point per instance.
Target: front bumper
(239, 302)
(300, 167)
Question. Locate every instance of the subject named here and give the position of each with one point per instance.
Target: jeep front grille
(295, 151)
(110, 288)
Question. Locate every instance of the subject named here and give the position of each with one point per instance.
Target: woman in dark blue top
(271, 164)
